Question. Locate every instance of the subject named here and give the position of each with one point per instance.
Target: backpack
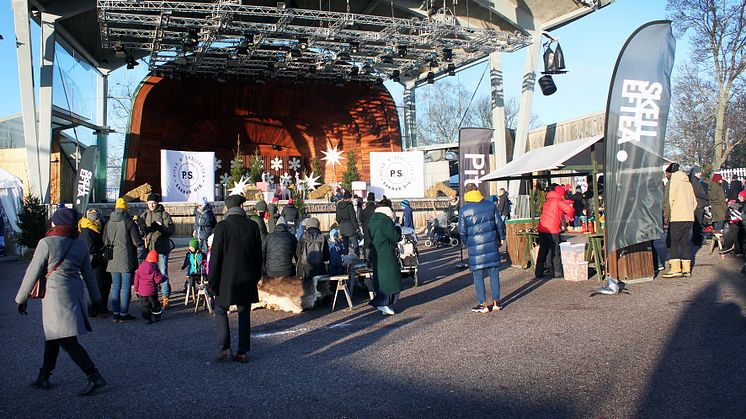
(313, 250)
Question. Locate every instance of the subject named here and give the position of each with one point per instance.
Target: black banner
(474, 158)
(84, 180)
(636, 116)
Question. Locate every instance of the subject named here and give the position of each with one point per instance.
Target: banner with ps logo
(397, 174)
(187, 176)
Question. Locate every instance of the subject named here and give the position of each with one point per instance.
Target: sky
(591, 46)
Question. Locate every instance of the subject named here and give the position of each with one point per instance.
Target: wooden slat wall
(584, 127)
(516, 244)
(203, 115)
(635, 263)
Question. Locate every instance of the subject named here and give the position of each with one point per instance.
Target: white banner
(187, 176)
(398, 174)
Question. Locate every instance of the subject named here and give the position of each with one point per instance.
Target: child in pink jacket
(147, 278)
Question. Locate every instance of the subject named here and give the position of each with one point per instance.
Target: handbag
(40, 287)
(108, 250)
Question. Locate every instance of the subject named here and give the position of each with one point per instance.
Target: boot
(686, 268)
(42, 381)
(165, 303)
(674, 269)
(95, 382)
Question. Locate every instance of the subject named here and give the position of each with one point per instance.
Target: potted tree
(32, 223)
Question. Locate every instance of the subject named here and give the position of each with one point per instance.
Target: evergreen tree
(317, 170)
(237, 169)
(32, 219)
(256, 167)
(352, 173)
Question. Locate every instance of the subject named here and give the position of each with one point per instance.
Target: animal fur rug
(286, 293)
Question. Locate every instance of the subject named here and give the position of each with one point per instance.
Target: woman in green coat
(386, 273)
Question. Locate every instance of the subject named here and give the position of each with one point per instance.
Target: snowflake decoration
(276, 164)
(224, 178)
(237, 189)
(218, 164)
(236, 163)
(311, 182)
(294, 164)
(332, 156)
(285, 179)
(268, 178)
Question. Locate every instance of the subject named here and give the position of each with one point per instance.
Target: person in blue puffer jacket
(482, 230)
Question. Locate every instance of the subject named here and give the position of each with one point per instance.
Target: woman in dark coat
(122, 233)
(204, 222)
(235, 268)
(89, 228)
(716, 198)
(386, 272)
(63, 257)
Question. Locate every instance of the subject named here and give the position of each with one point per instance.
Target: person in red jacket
(550, 225)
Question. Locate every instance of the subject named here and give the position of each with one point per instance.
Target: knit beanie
(371, 197)
(152, 256)
(347, 195)
(313, 222)
(65, 217)
(672, 168)
(717, 177)
(234, 201)
(121, 204)
(260, 205)
(194, 244)
(154, 197)
(741, 194)
(405, 203)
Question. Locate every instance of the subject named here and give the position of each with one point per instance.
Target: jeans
(577, 222)
(494, 274)
(121, 285)
(163, 267)
(224, 331)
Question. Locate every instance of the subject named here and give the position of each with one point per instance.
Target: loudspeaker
(547, 85)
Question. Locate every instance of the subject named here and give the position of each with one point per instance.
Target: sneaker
(482, 308)
(387, 310)
(116, 318)
(127, 317)
(495, 306)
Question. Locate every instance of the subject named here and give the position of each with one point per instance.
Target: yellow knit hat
(121, 204)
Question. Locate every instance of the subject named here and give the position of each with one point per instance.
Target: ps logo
(397, 173)
(187, 174)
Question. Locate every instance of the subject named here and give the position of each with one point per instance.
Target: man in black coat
(235, 269)
(370, 208)
(734, 189)
(279, 252)
(291, 216)
(700, 192)
(503, 204)
(348, 225)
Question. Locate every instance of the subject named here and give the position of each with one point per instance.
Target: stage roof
(362, 40)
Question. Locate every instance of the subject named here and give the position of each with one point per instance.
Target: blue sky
(591, 46)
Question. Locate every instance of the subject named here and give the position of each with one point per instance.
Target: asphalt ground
(670, 348)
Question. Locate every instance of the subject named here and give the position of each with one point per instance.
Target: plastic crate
(575, 271)
(572, 253)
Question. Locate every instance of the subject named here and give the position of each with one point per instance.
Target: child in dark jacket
(194, 262)
(147, 278)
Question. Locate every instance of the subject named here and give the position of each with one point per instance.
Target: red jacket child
(554, 207)
(148, 276)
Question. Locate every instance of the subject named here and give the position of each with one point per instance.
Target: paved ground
(671, 348)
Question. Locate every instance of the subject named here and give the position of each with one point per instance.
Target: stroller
(408, 255)
(443, 233)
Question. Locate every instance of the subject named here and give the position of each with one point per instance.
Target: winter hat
(194, 244)
(741, 194)
(91, 214)
(385, 202)
(386, 211)
(152, 257)
(234, 201)
(695, 170)
(154, 197)
(716, 177)
(121, 204)
(347, 195)
(202, 201)
(290, 201)
(260, 205)
(568, 187)
(333, 233)
(275, 200)
(313, 223)
(672, 168)
(65, 217)
(560, 190)
(405, 203)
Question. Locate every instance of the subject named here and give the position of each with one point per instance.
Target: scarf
(473, 196)
(63, 231)
(91, 225)
(234, 211)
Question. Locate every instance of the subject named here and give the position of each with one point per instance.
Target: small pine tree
(256, 167)
(352, 173)
(317, 170)
(32, 219)
(298, 200)
(237, 169)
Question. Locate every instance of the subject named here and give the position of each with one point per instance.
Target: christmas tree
(31, 221)
(237, 169)
(352, 173)
(316, 169)
(256, 167)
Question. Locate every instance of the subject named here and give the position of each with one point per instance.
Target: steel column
(498, 113)
(48, 23)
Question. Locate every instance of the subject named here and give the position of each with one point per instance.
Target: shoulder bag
(40, 287)
(109, 248)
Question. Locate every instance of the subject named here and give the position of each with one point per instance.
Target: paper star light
(294, 164)
(224, 178)
(237, 189)
(311, 181)
(332, 156)
(276, 164)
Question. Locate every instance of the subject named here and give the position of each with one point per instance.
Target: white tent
(572, 155)
(11, 191)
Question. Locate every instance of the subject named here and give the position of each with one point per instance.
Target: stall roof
(572, 155)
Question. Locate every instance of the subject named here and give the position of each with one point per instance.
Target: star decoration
(218, 164)
(276, 164)
(237, 189)
(311, 181)
(332, 156)
(294, 164)
(285, 179)
(224, 178)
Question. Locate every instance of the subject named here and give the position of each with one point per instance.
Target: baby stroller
(443, 233)
(408, 255)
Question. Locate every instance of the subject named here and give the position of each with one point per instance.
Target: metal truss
(226, 39)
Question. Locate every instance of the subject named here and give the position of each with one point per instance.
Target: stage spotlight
(395, 75)
(433, 63)
(276, 147)
(354, 71)
(387, 59)
(303, 44)
(190, 40)
(451, 69)
(354, 47)
(402, 51)
(131, 62)
(430, 78)
(547, 85)
(447, 55)
(343, 56)
(554, 61)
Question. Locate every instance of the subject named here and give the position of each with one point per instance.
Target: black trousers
(73, 348)
(224, 331)
(678, 237)
(150, 306)
(549, 246)
(733, 233)
(697, 236)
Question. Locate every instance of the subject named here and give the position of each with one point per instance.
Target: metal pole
(596, 206)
